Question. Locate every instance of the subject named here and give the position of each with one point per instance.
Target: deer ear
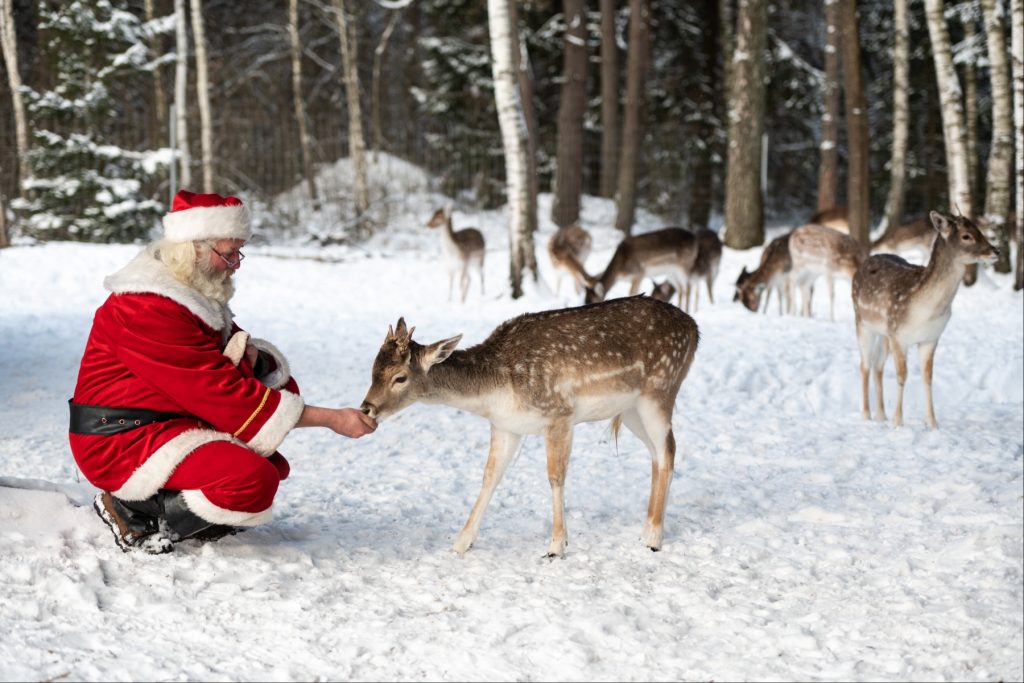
(400, 330)
(942, 223)
(439, 351)
(390, 335)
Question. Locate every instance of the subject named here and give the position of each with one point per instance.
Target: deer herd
(625, 359)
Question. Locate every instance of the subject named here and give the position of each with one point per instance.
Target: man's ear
(438, 351)
(943, 224)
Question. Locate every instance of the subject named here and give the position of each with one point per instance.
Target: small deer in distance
(773, 274)
(542, 373)
(462, 250)
(897, 305)
(816, 250)
(569, 248)
(669, 252)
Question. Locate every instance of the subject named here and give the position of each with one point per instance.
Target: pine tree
(81, 186)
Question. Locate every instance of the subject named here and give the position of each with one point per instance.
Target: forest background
(715, 113)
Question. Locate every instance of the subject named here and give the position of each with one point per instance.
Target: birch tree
(829, 148)
(526, 89)
(203, 94)
(378, 59)
(180, 94)
(857, 181)
(1000, 159)
(299, 103)
(744, 205)
(632, 134)
(356, 140)
(968, 56)
(9, 46)
(609, 100)
(1017, 50)
(952, 112)
(900, 117)
(565, 208)
(513, 138)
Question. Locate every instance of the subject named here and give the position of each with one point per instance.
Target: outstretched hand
(352, 423)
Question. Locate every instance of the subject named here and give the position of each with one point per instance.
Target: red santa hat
(196, 216)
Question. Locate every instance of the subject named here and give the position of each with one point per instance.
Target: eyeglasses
(234, 262)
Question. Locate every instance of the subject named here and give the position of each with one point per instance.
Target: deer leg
(558, 441)
(927, 352)
(464, 282)
(710, 280)
(865, 340)
(830, 288)
(899, 356)
(881, 352)
(480, 272)
(650, 419)
(504, 446)
(634, 286)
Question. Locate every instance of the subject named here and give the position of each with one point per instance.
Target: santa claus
(177, 414)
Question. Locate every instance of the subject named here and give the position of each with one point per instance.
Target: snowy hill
(802, 543)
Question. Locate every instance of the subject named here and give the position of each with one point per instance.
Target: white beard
(213, 284)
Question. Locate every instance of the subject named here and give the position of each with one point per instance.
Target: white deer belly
(669, 269)
(923, 328)
(602, 406)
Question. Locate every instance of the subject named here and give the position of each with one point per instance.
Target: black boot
(132, 529)
(182, 522)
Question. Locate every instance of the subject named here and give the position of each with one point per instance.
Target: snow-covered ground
(801, 543)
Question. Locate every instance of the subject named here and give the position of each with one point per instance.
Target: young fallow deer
(670, 252)
(568, 249)
(705, 267)
(897, 305)
(816, 250)
(917, 236)
(462, 249)
(542, 373)
(772, 274)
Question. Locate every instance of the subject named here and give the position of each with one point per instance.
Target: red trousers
(233, 478)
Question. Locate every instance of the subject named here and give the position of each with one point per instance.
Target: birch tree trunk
(971, 110)
(632, 133)
(900, 118)
(829, 158)
(356, 140)
(1017, 52)
(857, 181)
(565, 208)
(378, 58)
(9, 45)
(159, 98)
(513, 138)
(952, 111)
(203, 94)
(609, 100)
(1000, 159)
(522, 67)
(744, 209)
(180, 94)
(299, 104)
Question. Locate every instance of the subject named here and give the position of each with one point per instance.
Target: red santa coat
(160, 345)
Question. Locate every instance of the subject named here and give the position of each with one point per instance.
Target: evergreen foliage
(84, 187)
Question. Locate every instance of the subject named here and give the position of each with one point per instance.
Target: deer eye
(401, 379)
(966, 238)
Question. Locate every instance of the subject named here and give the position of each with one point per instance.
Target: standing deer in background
(670, 252)
(916, 236)
(772, 274)
(462, 249)
(835, 217)
(897, 304)
(542, 373)
(709, 258)
(817, 250)
(568, 249)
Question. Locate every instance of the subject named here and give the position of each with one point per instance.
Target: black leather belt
(104, 420)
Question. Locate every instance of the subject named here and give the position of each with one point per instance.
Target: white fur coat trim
(198, 503)
(278, 377)
(158, 468)
(284, 419)
(145, 274)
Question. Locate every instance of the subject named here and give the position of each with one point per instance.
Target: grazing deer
(772, 274)
(897, 305)
(568, 249)
(670, 252)
(462, 249)
(817, 250)
(709, 258)
(915, 236)
(835, 217)
(542, 373)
